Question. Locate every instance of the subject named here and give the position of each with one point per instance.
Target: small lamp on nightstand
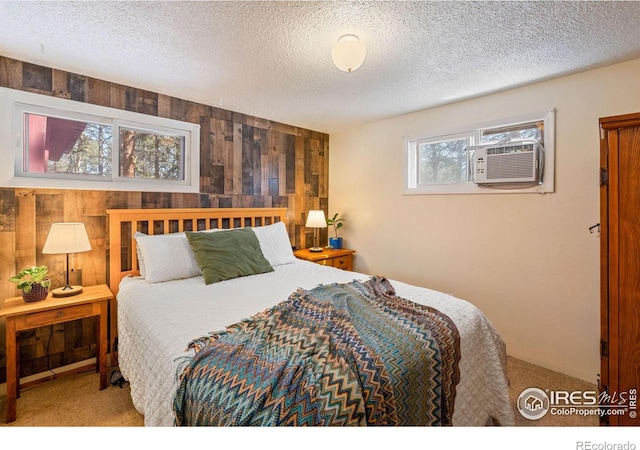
(315, 220)
(66, 238)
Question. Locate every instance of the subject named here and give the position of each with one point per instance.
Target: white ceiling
(272, 59)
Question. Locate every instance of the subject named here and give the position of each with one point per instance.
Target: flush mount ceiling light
(348, 54)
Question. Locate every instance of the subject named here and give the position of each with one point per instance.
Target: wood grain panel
(289, 144)
(98, 92)
(140, 101)
(37, 78)
(11, 73)
(25, 217)
(246, 161)
(620, 252)
(116, 93)
(272, 172)
(629, 261)
(164, 105)
(61, 84)
(7, 264)
(323, 174)
(78, 88)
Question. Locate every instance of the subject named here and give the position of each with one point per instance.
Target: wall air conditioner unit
(511, 165)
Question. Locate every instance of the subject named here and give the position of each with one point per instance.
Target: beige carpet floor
(73, 400)
(523, 375)
(76, 401)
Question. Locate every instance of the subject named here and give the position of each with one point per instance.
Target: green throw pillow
(228, 254)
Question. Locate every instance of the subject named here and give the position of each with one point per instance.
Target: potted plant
(34, 283)
(336, 223)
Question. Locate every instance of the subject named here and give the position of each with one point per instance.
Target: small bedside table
(340, 258)
(22, 316)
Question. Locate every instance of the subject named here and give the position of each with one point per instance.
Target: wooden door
(620, 261)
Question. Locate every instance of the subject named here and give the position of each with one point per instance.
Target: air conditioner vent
(510, 163)
(514, 165)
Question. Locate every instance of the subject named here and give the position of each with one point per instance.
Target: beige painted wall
(527, 261)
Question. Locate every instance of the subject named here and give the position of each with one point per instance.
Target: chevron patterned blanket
(340, 354)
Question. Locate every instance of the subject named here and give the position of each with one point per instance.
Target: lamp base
(315, 249)
(67, 291)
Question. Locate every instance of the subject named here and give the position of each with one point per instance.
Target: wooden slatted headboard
(123, 223)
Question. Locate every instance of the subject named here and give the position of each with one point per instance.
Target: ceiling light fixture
(348, 54)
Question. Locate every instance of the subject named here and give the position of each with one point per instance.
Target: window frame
(13, 105)
(473, 133)
(414, 169)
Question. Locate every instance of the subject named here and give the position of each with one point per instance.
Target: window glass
(523, 131)
(55, 145)
(442, 162)
(145, 154)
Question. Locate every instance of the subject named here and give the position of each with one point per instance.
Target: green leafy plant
(30, 276)
(336, 223)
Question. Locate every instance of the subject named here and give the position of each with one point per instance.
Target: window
(442, 161)
(61, 143)
(532, 131)
(156, 156)
(52, 145)
(443, 164)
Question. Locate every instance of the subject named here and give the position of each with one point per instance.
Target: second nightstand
(340, 258)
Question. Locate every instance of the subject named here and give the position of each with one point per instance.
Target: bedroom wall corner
(528, 261)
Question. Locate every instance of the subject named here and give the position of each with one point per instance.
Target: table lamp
(315, 220)
(67, 238)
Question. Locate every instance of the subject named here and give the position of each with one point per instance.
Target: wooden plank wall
(245, 161)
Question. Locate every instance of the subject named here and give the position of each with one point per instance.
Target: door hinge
(604, 176)
(604, 348)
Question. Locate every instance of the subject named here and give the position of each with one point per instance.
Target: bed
(170, 313)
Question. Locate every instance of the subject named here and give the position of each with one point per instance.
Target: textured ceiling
(272, 59)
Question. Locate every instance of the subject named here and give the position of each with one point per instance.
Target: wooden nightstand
(20, 316)
(340, 258)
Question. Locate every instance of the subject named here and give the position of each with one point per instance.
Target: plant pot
(37, 293)
(335, 242)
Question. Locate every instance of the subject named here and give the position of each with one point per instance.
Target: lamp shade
(67, 237)
(349, 53)
(316, 219)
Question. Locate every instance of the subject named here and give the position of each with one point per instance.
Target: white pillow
(165, 257)
(275, 244)
(141, 267)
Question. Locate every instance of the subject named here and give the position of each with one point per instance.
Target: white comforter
(157, 321)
